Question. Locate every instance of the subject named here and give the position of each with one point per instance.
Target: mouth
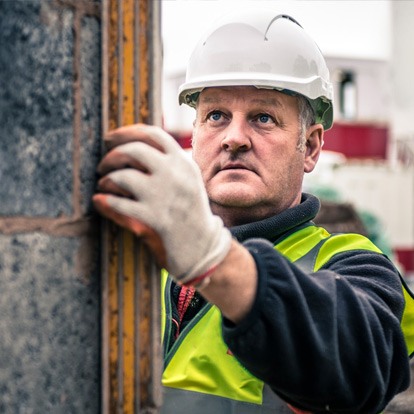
(236, 167)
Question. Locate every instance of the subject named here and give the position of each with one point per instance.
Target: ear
(314, 142)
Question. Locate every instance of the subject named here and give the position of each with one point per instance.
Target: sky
(341, 28)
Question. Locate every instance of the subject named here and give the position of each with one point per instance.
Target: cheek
(198, 155)
(284, 166)
(203, 150)
(201, 158)
(295, 170)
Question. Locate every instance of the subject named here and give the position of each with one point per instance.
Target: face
(245, 143)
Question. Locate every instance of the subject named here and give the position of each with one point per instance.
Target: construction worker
(263, 312)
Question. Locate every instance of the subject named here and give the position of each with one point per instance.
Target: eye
(265, 118)
(215, 116)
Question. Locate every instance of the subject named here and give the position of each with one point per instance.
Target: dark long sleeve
(328, 341)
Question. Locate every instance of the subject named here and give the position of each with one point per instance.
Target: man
(274, 315)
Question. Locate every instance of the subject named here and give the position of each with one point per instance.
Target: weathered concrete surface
(91, 108)
(49, 359)
(50, 96)
(36, 109)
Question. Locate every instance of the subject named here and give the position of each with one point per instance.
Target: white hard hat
(261, 49)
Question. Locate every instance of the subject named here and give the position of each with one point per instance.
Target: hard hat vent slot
(281, 16)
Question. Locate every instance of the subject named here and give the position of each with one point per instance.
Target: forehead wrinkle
(211, 99)
(259, 101)
(266, 102)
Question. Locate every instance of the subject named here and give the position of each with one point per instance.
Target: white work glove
(154, 189)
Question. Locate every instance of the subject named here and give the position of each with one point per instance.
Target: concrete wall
(49, 251)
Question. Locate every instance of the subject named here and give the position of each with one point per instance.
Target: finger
(161, 137)
(128, 182)
(104, 206)
(116, 160)
(130, 133)
(106, 185)
(145, 156)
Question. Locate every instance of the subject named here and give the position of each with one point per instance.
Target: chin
(235, 194)
(238, 200)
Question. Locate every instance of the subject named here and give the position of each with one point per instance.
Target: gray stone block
(36, 109)
(50, 336)
(91, 108)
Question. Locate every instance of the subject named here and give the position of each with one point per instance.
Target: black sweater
(326, 341)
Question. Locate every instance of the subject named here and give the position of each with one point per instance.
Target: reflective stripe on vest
(199, 366)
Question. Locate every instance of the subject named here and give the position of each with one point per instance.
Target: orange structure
(131, 356)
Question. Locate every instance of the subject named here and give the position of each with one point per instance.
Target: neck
(237, 216)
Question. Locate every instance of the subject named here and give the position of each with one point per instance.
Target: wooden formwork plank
(129, 333)
(131, 346)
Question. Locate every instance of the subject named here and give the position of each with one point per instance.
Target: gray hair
(306, 119)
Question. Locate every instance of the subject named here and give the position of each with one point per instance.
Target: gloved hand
(154, 189)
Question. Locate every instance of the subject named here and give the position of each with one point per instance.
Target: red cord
(296, 410)
(186, 294)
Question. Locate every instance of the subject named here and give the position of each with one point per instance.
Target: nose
(236, 136)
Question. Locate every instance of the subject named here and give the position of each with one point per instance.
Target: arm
(327, 340)
(233, 284)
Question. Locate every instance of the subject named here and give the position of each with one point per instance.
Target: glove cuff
(208, 261)
(201, 281)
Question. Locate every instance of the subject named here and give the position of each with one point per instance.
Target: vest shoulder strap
(307, 264)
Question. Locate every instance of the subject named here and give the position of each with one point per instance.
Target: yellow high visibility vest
(201, 376)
